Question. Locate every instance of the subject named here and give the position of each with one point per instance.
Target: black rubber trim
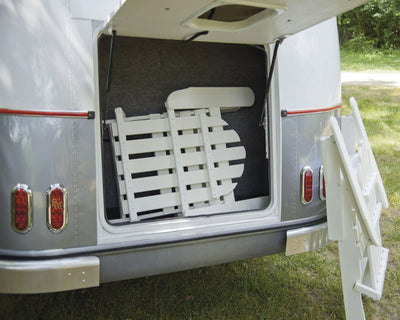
(195, 36)
(102, 249)
(91, 115)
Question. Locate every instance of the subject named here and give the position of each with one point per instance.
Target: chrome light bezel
(321, 184)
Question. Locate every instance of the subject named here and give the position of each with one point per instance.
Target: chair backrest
(210, 97)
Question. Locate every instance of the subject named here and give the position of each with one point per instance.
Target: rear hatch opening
(148, 72)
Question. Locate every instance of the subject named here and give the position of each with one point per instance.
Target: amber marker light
(57, 208)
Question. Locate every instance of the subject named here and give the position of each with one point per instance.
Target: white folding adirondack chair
(179, 161)
(355, 197)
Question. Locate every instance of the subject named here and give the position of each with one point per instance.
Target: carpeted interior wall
(146, 71)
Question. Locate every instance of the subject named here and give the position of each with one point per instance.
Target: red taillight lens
(56, 208)
(21, 208)
(306, 185)
(322, 189)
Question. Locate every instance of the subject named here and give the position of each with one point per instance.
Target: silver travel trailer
(144, 137)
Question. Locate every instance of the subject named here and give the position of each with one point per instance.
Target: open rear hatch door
(237, 21)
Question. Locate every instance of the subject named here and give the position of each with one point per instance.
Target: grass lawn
(306, 286)
(370, 61)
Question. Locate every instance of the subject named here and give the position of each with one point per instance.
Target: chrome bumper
(307, 239)
(49, 275)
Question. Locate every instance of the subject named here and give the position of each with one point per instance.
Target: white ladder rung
(376, 292)
(370, 185)
(360, 126)
(377, 214)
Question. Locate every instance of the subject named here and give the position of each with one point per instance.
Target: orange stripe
(313, 110)
(35, 113)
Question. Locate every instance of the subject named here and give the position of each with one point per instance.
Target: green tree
(374, 25)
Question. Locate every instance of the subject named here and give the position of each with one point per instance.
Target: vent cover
(233, 15)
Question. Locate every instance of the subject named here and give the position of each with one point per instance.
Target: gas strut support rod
(108, 85)
(271, 72)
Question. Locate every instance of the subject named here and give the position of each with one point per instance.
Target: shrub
(375, 24)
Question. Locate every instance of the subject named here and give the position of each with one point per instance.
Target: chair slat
(157, 201)
(156, 182)
(151, 164)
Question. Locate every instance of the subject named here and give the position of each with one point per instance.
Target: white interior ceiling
(175, 19)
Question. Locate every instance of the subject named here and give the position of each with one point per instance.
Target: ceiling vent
(233, 15)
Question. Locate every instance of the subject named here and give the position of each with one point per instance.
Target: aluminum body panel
(301, 147)
(47, 61)
(307, 239)
(309, 68)
(48, 275)
(40, 152)
(309, 79)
